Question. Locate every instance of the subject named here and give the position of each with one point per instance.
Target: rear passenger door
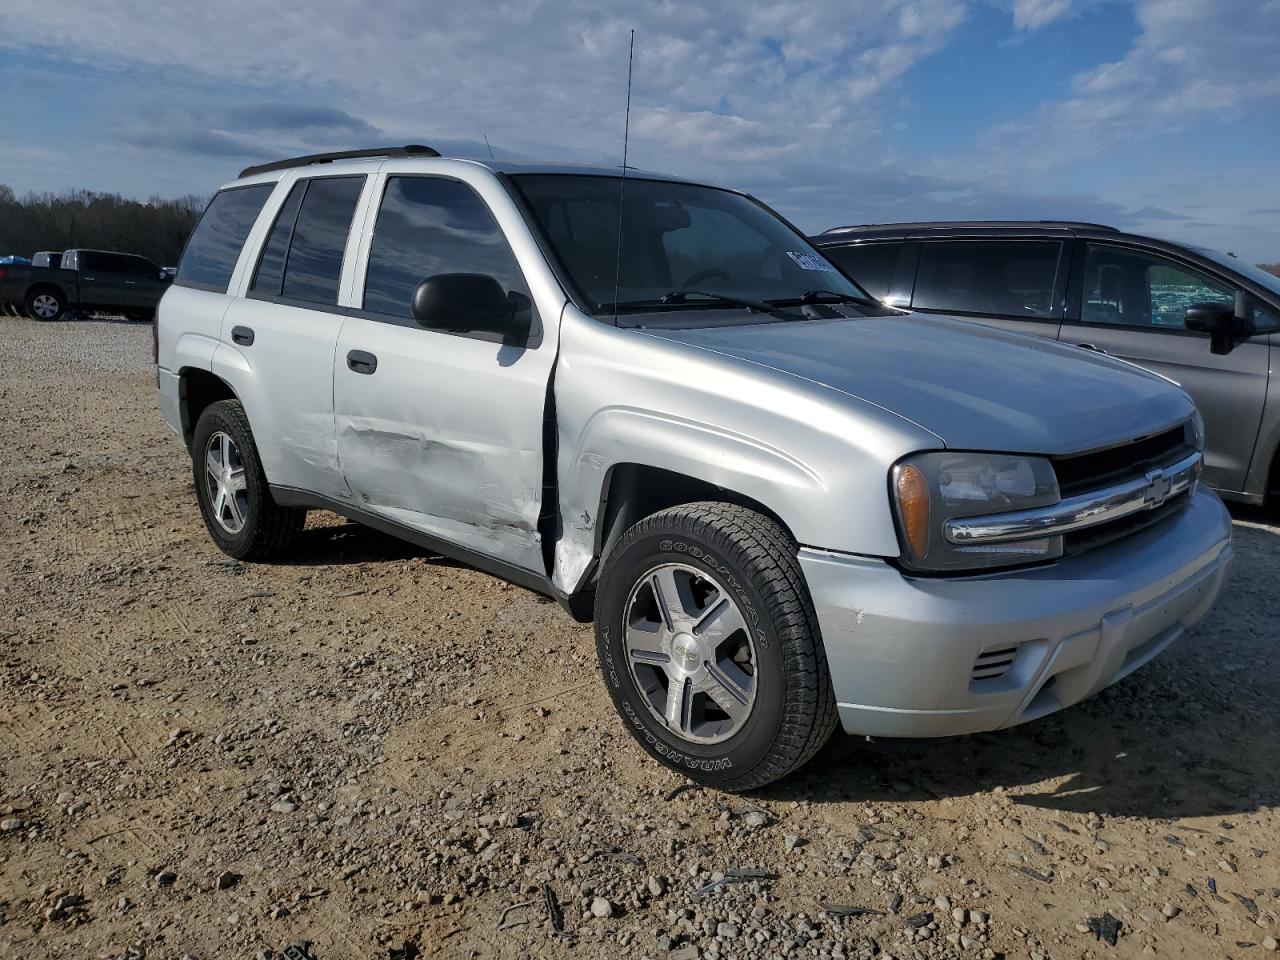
(1131, 303)
(278, 341)
(1014, 284)
(444, 432)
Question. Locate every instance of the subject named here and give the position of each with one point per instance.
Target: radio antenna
(622, 182)
(486, 143)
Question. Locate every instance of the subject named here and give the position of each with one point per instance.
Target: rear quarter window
(215, 244)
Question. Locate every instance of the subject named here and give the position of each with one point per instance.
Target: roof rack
(948, 224)
(408, 150)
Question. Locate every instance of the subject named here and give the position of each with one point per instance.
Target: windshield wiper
(678, 298)
(819, 296)
(682, 296)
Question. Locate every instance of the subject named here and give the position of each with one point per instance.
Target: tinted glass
(429, 226)
(139, 267)
(314, 265)
(1001, 278)
(1130, 288)
(270, 272)
(675, 236)
(215, 244)
(871, 264)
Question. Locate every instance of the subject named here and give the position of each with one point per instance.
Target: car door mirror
(469, 303)
(1224, 324)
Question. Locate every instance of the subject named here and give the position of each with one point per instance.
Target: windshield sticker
(809, 261)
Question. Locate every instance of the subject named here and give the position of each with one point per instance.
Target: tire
(45, 303)
(715, 552)
(140, 316)
(245, 523)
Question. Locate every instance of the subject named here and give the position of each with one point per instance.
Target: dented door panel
(445, 436)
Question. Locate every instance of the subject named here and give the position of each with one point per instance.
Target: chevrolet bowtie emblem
(1158, 486)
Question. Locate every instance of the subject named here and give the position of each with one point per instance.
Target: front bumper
(903, 650)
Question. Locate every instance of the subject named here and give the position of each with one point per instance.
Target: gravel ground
(381, 753)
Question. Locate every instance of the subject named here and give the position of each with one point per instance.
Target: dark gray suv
(1204, 319)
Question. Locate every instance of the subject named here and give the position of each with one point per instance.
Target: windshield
(1268, 281)
(676, 237)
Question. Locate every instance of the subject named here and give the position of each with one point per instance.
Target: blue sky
(1161, 116)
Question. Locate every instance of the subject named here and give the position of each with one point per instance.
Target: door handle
(362, 362)
(131, 282)
(1091, 346)
(242, 335)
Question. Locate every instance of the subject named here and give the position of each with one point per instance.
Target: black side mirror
(469, 302)
(1224, 324)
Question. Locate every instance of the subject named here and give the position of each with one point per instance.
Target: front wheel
(45, 304)
(710, 647)
(243, 520)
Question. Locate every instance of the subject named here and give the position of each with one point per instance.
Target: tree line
(157, 228)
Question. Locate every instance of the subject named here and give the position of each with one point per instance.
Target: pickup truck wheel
(710, 647)
(234, 497)
(45, 304)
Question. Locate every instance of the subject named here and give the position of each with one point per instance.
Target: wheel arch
(197, 389)
(629, 493)
(43, 286)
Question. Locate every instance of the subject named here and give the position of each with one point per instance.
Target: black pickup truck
(86, 280)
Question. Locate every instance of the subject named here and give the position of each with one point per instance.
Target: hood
(974, 387)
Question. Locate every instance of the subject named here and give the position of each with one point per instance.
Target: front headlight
(1195, 431)
(931, 488)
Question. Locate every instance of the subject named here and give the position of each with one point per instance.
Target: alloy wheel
(225, 483)
(44, 306)
(691, 653)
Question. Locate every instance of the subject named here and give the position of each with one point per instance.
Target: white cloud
(712, 80)
(1034, 14)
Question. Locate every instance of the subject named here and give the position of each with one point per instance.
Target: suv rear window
(215, 245)
(993, 277)
(871, 264)
(314, 265)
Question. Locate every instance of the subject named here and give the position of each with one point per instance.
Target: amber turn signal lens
(913, 505)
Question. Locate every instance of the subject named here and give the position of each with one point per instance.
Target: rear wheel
(710, 646)
(45, 303)
(243, 519)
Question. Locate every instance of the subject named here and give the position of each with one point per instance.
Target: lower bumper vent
(995, 663)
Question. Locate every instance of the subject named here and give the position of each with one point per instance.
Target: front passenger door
(1132, 304)
(438, 431)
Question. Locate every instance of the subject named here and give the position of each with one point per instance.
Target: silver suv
(784, 504)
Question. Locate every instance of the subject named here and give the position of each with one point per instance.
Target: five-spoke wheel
(710, 646)
(691, 653)
(225, 481)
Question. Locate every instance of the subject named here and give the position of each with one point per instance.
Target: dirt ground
(369, 751)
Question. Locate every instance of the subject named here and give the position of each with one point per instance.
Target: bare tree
(157, 228)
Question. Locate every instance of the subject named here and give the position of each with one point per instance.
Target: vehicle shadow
(346, 543)
(1191, 734)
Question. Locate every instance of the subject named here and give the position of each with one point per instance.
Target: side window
(871, 264)
(270, 273)
(428, 226)
(211, 253)
(1010, 278)
(313, 267)
(1130, 288)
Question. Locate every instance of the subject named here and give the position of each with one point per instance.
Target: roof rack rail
(960, 224)
(408, 150)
